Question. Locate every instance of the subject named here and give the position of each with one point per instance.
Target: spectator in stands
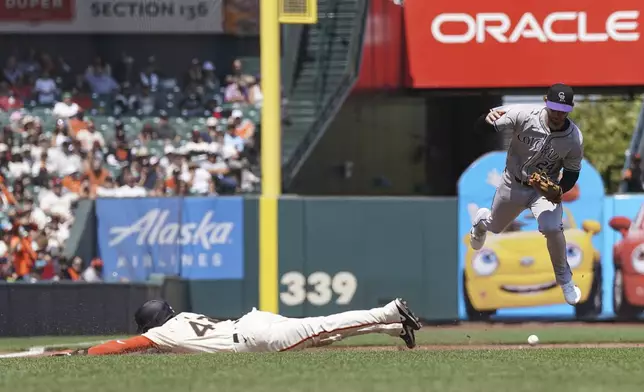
(238, 76)
(119, 152)
(149, 77)
(234, 94)
(70, 161)
(93, 273)
(633, 175)
(41, 169)
(21, 249)
(80, 85)
(232, 139)
(30, 65)
(88, 137)
(164, 129)
(97, 174)
(64, 72)
(244, 128)
(46, 64)
(151, 174)
(61, 133)
(18, 166)
(66, 108)
(56, 202)
(255, 96)
(100, 82)
(130, 188)
(210, 80)
(199, 180)
(28, 124)
(215, 165)
(46, 89)
(145, 103)
(74, 271)
(211, 129)
(8, 99)
(124, 70)
(191, 105)
(99, 66)
(194, 76)
(6, 269)
(124, 100)
(11, 74)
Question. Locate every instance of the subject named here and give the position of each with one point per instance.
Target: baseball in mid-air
(533, 339)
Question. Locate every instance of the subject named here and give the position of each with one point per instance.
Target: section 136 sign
(195, 238)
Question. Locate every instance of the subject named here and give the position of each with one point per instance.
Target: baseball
(533, 339)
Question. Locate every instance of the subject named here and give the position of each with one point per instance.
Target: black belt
(517, 179)
(236, 338)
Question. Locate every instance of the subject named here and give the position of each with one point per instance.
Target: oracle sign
(530, 43)
(620, 26)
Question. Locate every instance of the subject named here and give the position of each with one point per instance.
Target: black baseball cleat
(408, 336)
(408, 317)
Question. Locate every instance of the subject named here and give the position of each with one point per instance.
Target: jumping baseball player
(257, 331)
(544, 140)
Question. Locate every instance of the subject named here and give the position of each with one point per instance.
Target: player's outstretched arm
(491, 122)
(113, 347)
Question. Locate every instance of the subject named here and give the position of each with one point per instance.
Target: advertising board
(477, 44)
(111, 16)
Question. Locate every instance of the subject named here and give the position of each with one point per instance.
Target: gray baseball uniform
(534, 147)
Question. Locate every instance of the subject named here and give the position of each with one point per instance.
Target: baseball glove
(545, 186)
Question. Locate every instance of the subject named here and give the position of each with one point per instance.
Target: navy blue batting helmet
(152, 314)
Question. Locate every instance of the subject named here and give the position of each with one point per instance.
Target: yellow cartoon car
(513, 270)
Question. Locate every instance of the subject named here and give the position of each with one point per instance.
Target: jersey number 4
(201, 329)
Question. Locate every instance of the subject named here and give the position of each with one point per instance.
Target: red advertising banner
(118, 16)
(527, 43)
(36, 10)
(383, 54)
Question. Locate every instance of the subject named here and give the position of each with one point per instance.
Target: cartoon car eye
(485, 262)
(637, 258)
(574, 255)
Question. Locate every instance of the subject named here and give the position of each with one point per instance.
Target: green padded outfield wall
(339, 254)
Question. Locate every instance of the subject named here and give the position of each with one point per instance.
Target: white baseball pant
(511, 198)
(260, 331)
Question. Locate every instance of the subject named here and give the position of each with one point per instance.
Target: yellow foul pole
(271, 156)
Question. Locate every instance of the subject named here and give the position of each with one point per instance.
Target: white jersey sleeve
(193, 333)
(572, 161)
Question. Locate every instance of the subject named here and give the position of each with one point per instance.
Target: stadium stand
(113, 131)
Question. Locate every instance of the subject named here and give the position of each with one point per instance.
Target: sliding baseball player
(161, 329)
(544, 141)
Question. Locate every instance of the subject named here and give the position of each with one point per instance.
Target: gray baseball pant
(513, 197)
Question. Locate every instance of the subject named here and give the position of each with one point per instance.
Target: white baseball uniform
(534, 147)
(260, 331)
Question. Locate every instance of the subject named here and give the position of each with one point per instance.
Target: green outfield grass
(12, 344)
(481, 334)
(556, 333)
(570, 370)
